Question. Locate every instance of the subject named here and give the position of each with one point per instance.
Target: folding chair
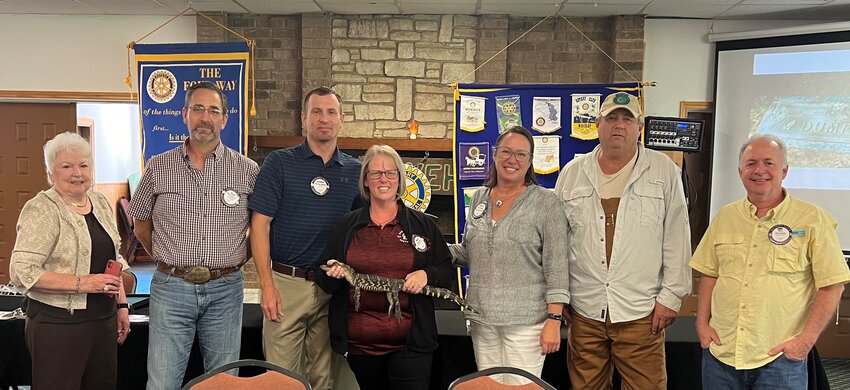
(275, 377)
(481, 380)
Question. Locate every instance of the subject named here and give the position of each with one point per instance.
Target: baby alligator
(392, 287)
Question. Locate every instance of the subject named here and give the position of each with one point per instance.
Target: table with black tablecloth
(453, 359)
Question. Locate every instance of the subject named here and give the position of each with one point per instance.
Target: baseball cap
(621, 100)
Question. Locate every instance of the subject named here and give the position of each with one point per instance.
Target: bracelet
(123, 306)
(554, 316)
(77, 290)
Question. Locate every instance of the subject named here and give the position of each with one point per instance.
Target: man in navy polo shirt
(300, 193)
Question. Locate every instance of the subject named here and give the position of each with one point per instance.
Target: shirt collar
(775, 212)
(306, 153)
(217, 153)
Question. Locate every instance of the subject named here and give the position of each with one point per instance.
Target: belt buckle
(198, 275)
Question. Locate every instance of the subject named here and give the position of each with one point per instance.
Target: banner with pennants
(165, 71)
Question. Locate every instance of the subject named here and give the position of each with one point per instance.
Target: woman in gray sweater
(514, 244)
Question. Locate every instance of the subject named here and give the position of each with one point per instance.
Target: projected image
(800, 93)
(816, 129)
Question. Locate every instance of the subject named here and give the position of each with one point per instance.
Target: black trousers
(77, 356)
(399, 370)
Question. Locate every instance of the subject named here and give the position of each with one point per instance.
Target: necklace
(499, 202)
(85, 201)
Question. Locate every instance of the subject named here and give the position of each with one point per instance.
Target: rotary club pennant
(585, 110)
(472, 113)
(547, 114)
(507, 110)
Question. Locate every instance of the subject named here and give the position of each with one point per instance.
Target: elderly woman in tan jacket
(76, 313)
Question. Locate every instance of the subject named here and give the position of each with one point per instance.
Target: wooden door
(24, 128)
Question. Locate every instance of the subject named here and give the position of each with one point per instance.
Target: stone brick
(367, 28)
(340, 56)
(446, 27)
(404, 99)
(348, 78)
(405, 36)
(433, 130)
(405, 50)
(353, 43)
(434, 73)
(433, 116)
(380, 80)
(349, 92)
(340, 23)
(378, 97)
(315, 20)
(427, 26)
(456, 73)
(394, 133)
(316, 33)
(339, 32)
(493, 21)
(384, 125)
(430, 36)
(405, 68)
(387, 45)
(370, 68)
(433, 65)
(376, 54)
(343, 68)
(373, 88)
(429, 102)
(466, 21)
(470, 50)
(465, 32)
(400, 24)
(440, 54)
(358, 129)
(436, 88)
(372, 112)
(316, 53)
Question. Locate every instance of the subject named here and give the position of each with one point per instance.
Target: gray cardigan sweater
(519, 264)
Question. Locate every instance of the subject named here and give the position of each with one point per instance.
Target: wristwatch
(123, 306)
(554, 316)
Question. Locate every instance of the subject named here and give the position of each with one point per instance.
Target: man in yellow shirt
(772, 276)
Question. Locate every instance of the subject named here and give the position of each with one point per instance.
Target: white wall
(680, 58)
(77, 53)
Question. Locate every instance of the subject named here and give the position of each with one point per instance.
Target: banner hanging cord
(532, 28)
(600, 49)
(130, 46)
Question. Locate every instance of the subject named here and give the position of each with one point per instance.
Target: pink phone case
(113, 267)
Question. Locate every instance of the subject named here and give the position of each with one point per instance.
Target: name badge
(479, 210)
(230, 198)
(419, 243)
(779, 234)
(320, 186)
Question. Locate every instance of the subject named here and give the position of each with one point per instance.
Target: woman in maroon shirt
(388, 239)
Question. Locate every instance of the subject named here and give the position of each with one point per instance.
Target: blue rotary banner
(167, 70)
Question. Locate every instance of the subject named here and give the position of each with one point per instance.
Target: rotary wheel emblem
(417, 189)
(161, 86)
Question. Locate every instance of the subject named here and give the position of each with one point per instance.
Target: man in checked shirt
(191, 214)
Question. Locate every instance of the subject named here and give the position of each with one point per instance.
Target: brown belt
(195, 275)
(306, 274)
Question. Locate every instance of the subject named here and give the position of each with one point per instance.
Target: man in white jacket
(629, 247)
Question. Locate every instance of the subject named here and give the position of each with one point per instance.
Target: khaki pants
(630, 346)
(301, 340)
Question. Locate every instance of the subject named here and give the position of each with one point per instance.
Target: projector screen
(797, 88)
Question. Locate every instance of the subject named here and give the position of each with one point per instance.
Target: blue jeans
(179, 310)
(780, 374)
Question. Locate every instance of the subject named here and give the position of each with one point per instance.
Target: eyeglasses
(213, 111)
(391, 174)
(505, 153)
